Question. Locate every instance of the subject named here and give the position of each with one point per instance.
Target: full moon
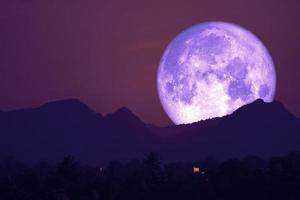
(211, 69)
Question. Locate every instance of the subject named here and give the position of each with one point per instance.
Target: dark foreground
(250, 178)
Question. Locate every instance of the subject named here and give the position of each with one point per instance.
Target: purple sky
(106, 52)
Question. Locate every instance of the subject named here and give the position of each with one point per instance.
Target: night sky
(107, 52)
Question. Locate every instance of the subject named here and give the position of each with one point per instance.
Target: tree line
(251, 178)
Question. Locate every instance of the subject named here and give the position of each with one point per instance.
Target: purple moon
(211, 69)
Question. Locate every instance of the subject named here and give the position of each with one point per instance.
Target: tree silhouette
(247, 179)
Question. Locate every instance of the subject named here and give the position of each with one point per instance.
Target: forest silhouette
(151, 178)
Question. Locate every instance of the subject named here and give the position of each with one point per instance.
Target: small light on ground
(196, 170)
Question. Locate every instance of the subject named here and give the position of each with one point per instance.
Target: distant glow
(196, 170)
(211, 69)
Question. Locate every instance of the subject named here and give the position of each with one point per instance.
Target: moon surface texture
(212, 69)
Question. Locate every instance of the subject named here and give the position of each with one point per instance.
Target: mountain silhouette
(259, 128)
(69, 127)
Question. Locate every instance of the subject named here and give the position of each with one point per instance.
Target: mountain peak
(125, 115)
(259, 101)
(259, 109)
(62, 102)
(124, 110)
(71, 105)
(260, 105)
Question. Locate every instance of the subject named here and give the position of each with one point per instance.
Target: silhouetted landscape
(69, 127)
(65, 150)
(68, 66)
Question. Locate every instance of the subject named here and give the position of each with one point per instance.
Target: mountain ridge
(69, 126)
